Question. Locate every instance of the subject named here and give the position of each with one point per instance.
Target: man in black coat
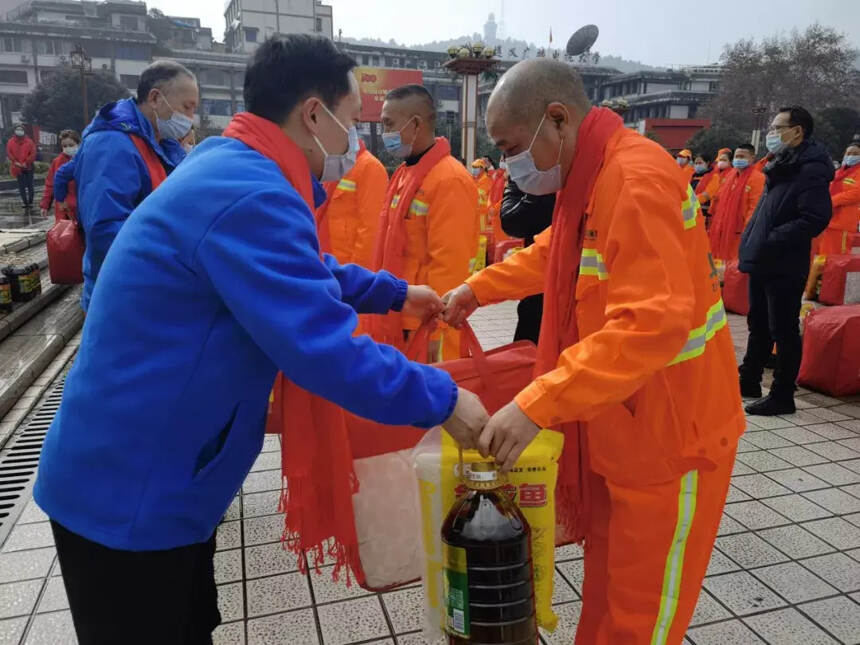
(523, 215)
(774, 251)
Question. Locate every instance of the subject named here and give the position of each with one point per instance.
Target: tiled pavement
(785, 571)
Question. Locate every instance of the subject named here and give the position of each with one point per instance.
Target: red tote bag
(65, 243)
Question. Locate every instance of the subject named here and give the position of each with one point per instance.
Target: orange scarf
(391, 240)
(728, 222)
(316, 494)
(558, 327)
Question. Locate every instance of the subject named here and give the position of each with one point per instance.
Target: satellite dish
(582, 40)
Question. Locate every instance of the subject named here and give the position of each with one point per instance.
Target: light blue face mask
(700, 168)
(336, 166)
(525, 174)
(850, 160)
(393, 142)
(741, 164)
(176, 127)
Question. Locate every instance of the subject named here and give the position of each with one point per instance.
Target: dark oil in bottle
(489, 582)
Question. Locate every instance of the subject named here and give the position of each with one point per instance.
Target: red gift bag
(505, 246)
(65, 242)
(736, 291)
(831, 351)
(833, 278)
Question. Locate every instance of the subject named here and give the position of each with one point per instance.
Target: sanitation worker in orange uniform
(845, 193)
(428, 229)
(348, 220)
(635, 362)
(484, 184)
(685, 161)
(710, 184)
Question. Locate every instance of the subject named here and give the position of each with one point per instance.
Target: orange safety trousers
(647, 549)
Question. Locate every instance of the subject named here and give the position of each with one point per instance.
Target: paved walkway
(786, 569)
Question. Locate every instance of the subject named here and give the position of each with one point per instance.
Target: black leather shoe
(770, 406)
(750, 390)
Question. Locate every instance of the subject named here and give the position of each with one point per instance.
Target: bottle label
(456, 594)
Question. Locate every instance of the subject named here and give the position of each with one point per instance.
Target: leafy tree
(814, 69)
(835, 127)
(709, 140)
(57, 104)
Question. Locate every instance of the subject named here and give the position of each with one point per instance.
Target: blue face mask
(336, 166)
(393, 142)
(741, 164)
(176, 127)
(850, 160)
(701, 167)
(525, 174)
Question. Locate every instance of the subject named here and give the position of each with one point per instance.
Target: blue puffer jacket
(213, 284)
(112, 178)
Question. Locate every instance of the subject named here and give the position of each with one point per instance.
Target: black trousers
(529, 314)
(774, 318)
(139, 597)
(25, 187)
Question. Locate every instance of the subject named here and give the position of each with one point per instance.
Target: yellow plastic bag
(532, 486)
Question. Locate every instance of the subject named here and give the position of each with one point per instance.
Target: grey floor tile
(732, 632)
(834, 500)
(29, 536)
(574, 572)
(741, 468)
(821, 400)
(262, 530)
(405, 609)
(852, 489)
(269, 559)
(833, 451)
(836, 531)
(755, 515)
(231, 602)
(832, 431)
(765, 440)
(851, 464)
(259, 482)
(746, 446)
(742, 593)
(229, 634)
(267, 461)
(854, 518)
(851, 424)
(568, 552)
(788, 627)
(270, 630)
(277, 593)
(759, 486)
(797, 508)
(799, 456)
(55, 628)
(826, 414)
(853, 443)
(568, 619)
(327, 590)
(271, 443)
(797, 480)
(729, 526)
(54, 597)
(32, 514)
(352, 621)
(834, 473)
(11, 630)
(802, 418)
(720, 563)
(228, 566)
(769, 423)
(416, 638)
(795, 541)
(708, 610)
(762, 461)
(837, 569)
(25, 565)
(736, 495)
(19, 598)
(749, 550)
(840, 616)
(258, 504)
(234, 511)
(562, 592)
(798, 435)
(854, 553)
(793, 582)
(229, 535)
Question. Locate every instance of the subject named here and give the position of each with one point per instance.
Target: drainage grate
(20, 459)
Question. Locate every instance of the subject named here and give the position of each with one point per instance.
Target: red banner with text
(375, 82)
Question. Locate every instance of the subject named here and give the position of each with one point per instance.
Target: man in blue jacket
(111, 175)
(214, 284)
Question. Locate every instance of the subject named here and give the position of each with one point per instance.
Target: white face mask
(525, 174)
(722, 165)
(19, 133)
(70, 150)
(176, 127)
(336, 166)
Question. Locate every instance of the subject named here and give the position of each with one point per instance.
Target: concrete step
(25, 311)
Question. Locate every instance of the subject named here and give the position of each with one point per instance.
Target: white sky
(656, 32)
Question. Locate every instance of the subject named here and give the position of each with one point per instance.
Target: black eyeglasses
(773, 128)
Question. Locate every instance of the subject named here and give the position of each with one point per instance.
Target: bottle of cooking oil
(489, 584)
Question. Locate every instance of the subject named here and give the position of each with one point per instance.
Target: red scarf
(391, 239)
(316, 494)
(728, 220)
(323, 232)
(705, 180)
(558, 328)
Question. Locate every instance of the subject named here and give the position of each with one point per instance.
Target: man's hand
(460, 303)
(467, 420)
(506, 435)
(422, 303)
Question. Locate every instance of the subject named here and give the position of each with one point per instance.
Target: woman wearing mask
(845, 193)
(702, 171)
(70, 140)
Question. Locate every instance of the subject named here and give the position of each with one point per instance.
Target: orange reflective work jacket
(351, 211)
(735, 207)
(845, 193)
(654, 375)
(484, 184)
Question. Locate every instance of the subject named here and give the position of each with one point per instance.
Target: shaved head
(414, 99)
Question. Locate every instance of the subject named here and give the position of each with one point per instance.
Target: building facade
(250, 22)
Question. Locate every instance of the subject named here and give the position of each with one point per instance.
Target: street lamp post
(469, 62)
(81, 61)
(759, 112)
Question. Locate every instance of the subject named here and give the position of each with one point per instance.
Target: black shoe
(750, 390)
(770, 406)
